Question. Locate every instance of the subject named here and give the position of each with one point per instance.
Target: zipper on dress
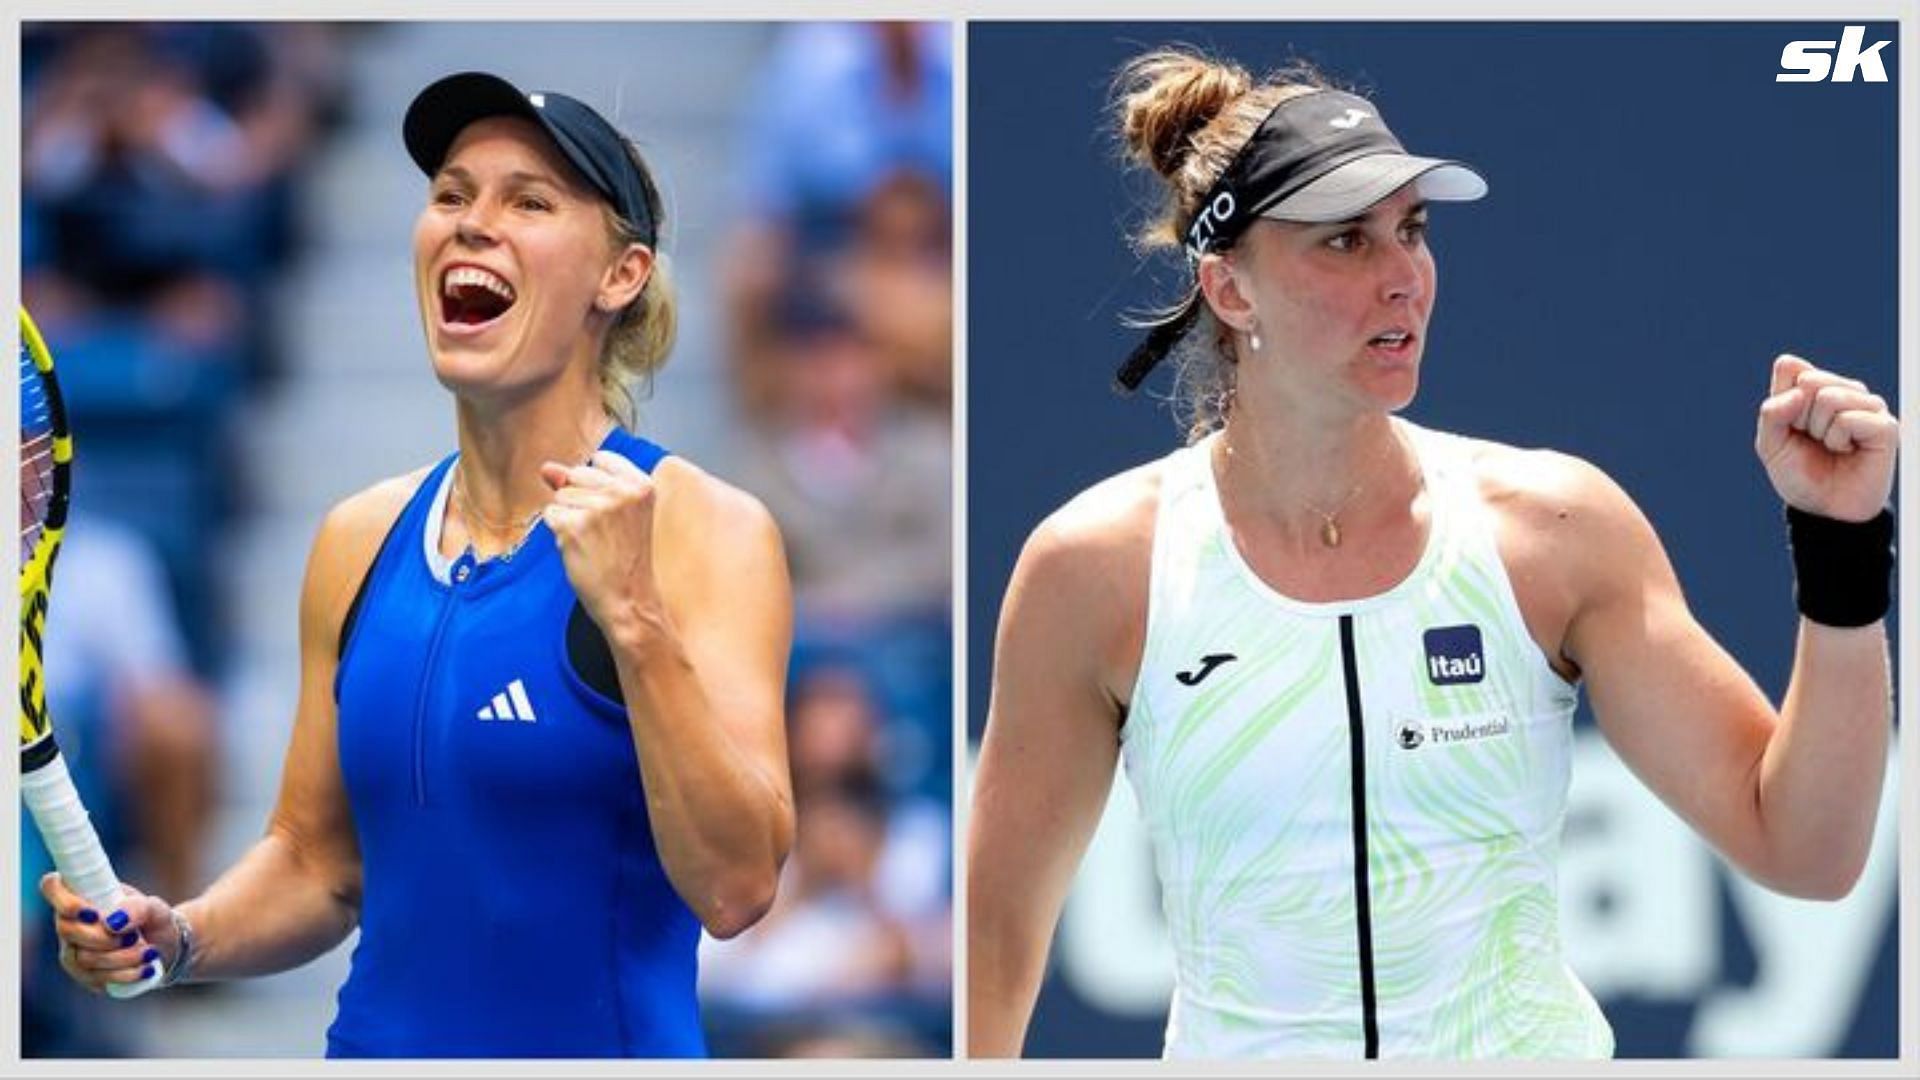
(461, 570)
(1362, 899)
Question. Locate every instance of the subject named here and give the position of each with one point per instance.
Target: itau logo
(1454, 655)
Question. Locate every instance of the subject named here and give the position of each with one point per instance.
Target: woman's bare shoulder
(1082, 577)
(696, 503)
(1547, 490)
(372, 510)
(348, 540)
(1110, 521)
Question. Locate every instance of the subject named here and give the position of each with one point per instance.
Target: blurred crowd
(160, 178)
(162, 171)
(839, 293)
(160, 167)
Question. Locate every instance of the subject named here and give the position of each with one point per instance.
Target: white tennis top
(1355, 807)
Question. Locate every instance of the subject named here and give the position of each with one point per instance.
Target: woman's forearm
(277, 908)
(721, 825)
(1820, 778)
(1005, 963)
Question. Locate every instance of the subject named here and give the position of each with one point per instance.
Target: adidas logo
(509, 704)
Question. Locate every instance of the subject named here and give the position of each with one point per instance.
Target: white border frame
(960, 12)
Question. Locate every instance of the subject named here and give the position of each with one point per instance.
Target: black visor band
(1162, 336)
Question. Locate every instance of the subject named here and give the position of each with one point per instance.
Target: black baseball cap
(589, 143)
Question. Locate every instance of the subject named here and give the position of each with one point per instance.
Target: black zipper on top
(1362, 898)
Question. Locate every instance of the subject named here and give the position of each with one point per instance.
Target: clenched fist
(602, 520)
(1828, 443)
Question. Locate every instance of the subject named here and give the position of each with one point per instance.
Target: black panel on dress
(353, 609)
(590, 656)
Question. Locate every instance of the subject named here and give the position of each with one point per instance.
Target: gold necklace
(519, 531)
(1329, 520)
(1329, 526)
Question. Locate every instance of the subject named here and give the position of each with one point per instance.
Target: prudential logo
(1833, 61)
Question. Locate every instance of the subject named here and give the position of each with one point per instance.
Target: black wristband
(1842, 569)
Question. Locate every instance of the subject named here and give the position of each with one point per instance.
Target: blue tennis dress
(514, 905)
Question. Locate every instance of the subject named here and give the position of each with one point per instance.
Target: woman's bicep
(312, 813)
(737, 625)
(1677, 708)
(1052, 740)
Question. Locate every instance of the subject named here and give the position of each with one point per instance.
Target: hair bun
(1169, 95)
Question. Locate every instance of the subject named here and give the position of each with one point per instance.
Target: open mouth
(1392, 340)
(472, 296)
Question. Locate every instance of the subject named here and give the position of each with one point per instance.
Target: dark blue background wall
(1664, 218)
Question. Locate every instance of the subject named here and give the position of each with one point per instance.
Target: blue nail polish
(128, 939)
(117, 921)
(150, 956)
(89, 916)
(147, 972)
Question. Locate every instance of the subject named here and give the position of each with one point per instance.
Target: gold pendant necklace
(1330, 535)
(1329, 522)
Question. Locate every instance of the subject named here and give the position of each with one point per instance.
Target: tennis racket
(46, 457)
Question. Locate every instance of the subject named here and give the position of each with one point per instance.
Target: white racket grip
(56, 808)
